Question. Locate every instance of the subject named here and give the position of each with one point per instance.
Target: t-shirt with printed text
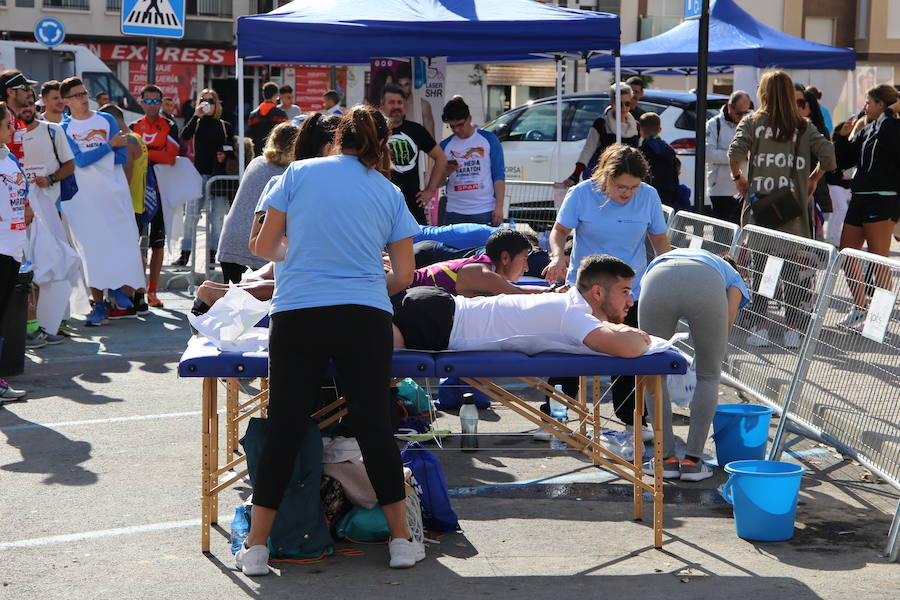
(13, 192)
(470, 189)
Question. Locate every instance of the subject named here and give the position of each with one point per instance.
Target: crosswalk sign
(153, 18)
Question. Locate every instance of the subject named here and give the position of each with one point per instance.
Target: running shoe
(7, 392)
(153, 301)
(122, 313)
(120, 299)
(99, 315)
(694, 471)
(64, 329)
(51, 338)
(252, 561)
(671, 468)
(853, 318)
(35, 340)
(140, 304)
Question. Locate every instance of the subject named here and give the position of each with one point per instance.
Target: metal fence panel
(691, 230)
(851, 392)
(786, 274)
(533, 203)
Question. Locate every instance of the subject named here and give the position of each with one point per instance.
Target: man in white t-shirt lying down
(583, 319)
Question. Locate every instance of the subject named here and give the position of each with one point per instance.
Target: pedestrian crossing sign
(153, 18)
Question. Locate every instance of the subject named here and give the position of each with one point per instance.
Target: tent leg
(239, 71)
(558, 149)
(618, 99)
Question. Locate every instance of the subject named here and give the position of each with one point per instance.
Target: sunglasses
(79, 95)
(801, 103)
(151, 101)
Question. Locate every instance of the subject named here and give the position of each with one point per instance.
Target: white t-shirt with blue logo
(340, 216)
(470, 189)
(604, 226)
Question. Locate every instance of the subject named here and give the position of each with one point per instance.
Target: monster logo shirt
(405, 143)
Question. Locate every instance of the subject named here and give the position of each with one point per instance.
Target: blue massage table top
(203, 359)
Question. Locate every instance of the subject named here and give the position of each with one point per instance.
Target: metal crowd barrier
(532, 203)
(219, 185)
(691, 230)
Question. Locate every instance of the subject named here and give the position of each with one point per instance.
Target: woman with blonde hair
(278, 153)
(779, 143)
(213, 147)
(613, 212)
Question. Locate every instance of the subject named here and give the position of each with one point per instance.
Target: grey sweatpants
(676, 289)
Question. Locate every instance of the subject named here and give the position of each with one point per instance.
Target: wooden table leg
(264, 386)
(657, 462)
(638, 445)
(231, 413)
(207, 403)
(213, 453)
(582, 402)
(596, 412)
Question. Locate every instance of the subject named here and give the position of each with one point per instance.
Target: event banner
(177, 80)
(310, 82)
(433, 93)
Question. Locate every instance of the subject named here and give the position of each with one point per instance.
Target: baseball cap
(16, 81)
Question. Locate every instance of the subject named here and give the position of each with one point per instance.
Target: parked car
(528, 134)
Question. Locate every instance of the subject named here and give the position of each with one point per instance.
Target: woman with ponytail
(331, 304)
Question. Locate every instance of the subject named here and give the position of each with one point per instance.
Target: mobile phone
(205, 107)
(453, 163)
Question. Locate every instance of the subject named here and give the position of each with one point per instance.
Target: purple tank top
(444, 274)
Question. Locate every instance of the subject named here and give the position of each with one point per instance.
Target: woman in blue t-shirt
(705, 290)
(331, 304)
(613, 212)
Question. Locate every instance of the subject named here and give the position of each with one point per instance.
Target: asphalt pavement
(100, 481)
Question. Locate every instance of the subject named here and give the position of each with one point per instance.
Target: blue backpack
(437, 514)
(450, 395)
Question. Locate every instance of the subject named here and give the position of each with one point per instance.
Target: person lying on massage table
(587, 317)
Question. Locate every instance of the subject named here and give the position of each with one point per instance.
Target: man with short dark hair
(102, 99)
(719, 133)
(168, 108)
(15, 89)
(160, 134)
(54, 105)
(637, 86)
(331, 99)
(586, 318)
(408, 138)
(476, 178)
(266, 116)
(286, 101)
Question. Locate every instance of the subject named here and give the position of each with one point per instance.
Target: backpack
(367, 525)
(68, 187)
(413, 398)
(299, 530)
(450, 395)
(431, 488)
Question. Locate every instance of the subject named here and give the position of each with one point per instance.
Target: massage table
(475, 368)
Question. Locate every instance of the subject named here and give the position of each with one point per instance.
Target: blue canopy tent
(735, 38)
(352, 32)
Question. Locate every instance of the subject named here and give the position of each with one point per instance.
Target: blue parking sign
(153, 18)
(49, 32)
(692, 9)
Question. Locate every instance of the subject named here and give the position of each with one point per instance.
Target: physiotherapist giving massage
(331, 303)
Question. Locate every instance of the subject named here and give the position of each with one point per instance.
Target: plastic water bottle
(468, 421)
(240, 527)
(618, 442)
(558, 412)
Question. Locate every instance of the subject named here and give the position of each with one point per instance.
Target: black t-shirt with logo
(405, 143)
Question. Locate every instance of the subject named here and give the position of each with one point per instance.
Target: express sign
(171, 54)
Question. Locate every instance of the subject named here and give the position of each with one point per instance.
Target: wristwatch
(736, 177)
(51, 178)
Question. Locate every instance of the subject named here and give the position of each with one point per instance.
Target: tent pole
(618, 106)
(558, 148)
(700, 109)
(239, 70)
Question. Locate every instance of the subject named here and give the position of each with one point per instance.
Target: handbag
(68, 187)
(775, 209)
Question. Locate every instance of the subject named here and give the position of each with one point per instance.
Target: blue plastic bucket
(764, 496)
(741, 432)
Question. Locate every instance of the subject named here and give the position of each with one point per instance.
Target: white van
(68, 60)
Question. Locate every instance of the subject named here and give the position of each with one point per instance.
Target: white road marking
(101, 421)
(102, 533)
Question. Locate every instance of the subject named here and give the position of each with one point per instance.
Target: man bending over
(586, 318)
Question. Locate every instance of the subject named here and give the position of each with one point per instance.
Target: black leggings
(622, 386)
(9, 273)
(359, 340)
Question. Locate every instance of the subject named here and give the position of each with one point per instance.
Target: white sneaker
(758, 338)
(252, 561)
(791, 338)
(7, 392)
(405, 553)
(646, 433)
(853, 318)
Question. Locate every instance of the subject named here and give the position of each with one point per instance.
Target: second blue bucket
(741, 432)
(764, 495)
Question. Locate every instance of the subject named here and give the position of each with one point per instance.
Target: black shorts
(872, 208)
(157, 237)
(424, 315)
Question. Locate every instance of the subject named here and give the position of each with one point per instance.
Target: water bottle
(618, 442)
(240, 527)
(468, 421)
(558, 413)
(512, 223)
